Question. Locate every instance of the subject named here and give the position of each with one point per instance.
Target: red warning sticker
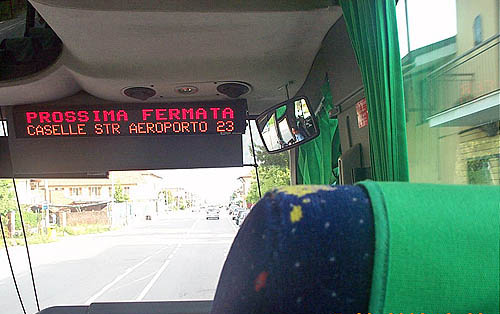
(362, 113)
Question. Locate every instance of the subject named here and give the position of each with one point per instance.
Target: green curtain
(317, 158)
(372, 28)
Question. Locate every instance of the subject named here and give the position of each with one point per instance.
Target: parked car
(241, 216)
(212, 213)
(231, 209)
(236, 212)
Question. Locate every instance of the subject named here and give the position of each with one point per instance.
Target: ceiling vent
(233, 90)
(141, 93)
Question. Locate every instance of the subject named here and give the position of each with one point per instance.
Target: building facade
(452, 95)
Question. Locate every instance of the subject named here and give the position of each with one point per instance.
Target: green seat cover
(437, 248)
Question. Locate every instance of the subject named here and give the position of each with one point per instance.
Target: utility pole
(46, 207)
(407, 26)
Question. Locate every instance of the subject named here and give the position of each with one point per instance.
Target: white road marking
(11, 26)
(120, 277)
(164, 266)
(153, 281)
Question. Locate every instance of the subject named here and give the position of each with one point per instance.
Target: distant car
(236, 212)
(231, 209)
(241, 217)
(212, 213)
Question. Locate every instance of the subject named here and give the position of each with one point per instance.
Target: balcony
(465, 90)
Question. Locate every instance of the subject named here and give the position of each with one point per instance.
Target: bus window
(451, 85)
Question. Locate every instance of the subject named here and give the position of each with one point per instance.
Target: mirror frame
(270, 109)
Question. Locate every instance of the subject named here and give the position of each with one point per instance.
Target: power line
(24, 233)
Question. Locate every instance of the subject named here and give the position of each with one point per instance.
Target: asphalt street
(12, 28)
(176, 257)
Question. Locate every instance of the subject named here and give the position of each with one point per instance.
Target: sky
(212, 184)
(429, 21)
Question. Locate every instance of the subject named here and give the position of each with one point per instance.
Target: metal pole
(255, 159)
(407, 26)
(30, 18)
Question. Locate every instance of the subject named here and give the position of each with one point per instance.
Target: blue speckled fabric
(302, 249)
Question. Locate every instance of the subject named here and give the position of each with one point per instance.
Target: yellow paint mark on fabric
(301, 190)
(306, 200)
(296, 213)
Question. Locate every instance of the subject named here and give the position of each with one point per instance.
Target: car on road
(212, 213)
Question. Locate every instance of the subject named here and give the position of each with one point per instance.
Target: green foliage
(270, 177)
(32, 239)
(119, 195)
(265, 159)
(83, 229)
(274, 171)
(7, 197)
(30, 220)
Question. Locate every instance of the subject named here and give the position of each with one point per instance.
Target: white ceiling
(109, 46)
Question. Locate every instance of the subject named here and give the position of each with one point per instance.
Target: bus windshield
(148, 235)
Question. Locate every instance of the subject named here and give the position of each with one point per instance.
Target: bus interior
(98, 86)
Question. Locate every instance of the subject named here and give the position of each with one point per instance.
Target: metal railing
(468, 76)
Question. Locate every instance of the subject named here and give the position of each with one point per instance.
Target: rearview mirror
(287, 125)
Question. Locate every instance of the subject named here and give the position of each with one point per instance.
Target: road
(12, 28)
(175, 257)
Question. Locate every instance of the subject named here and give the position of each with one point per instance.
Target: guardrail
(468, 76)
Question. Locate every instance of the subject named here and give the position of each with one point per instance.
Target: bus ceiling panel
(109, 50)
(189, 5)
(337, 59)
(55, 82)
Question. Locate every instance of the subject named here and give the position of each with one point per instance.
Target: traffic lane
(82, 281)
(138, 283)
(87, 246)
(127, 285)
(12, 28)
(71, 279)
(194, 270)
(73, 282)
(193, 273)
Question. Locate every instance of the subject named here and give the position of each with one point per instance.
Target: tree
(7, 198)
(265, 159)
(274, 171)
(270, 177)
(120, 196)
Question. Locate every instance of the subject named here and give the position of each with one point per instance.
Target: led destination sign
(35, 121)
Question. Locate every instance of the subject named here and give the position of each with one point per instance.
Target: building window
(479, 171)
(95, 191)
(478, 30)
(75, 191)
